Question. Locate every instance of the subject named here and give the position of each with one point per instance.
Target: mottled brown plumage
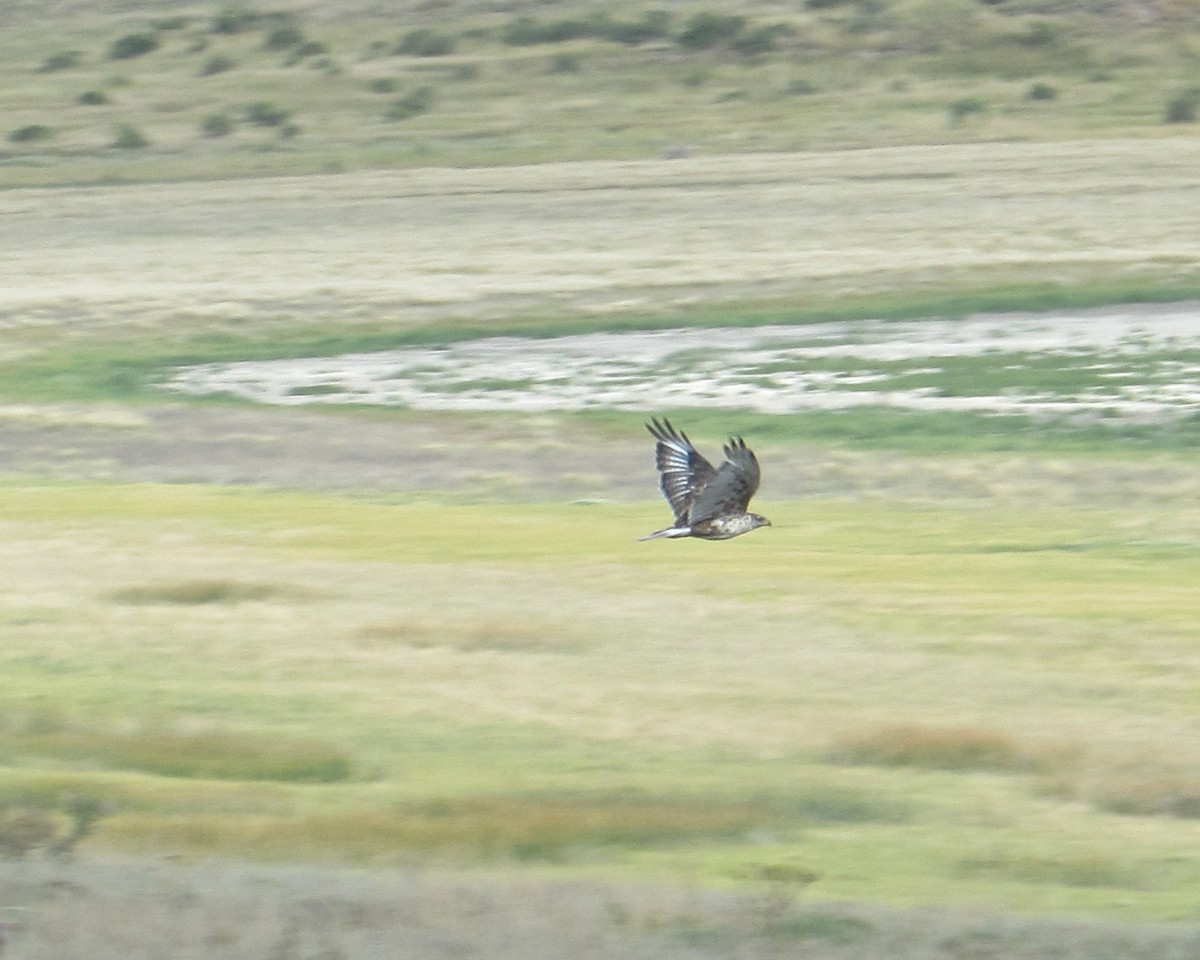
(709, 504)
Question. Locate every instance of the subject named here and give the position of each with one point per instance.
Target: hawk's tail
(670, 532)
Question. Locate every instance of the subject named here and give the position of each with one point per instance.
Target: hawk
(709, 504)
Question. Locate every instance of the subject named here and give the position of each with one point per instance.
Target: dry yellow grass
(290, 255)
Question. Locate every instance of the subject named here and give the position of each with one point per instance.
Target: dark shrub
(234, 20)
(412, 103)
(284, 37)
(565, 63)
(654, 25)
(216, 125)
(129, 137)
(1183, 107)
(309, 48)
(31, 134)
(425, 43)
(133, 45)
(1041, 91)
(217, 63)
(522, 31)
(526, 31)
(60, 61)
(758, 41)
(961, 109)
(264, 114)
(92, 98)
(707, 29)
(1040, 34)
(383, 85)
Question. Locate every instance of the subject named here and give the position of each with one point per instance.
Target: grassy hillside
(103, 92)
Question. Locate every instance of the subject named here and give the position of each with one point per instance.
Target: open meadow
(325, 631)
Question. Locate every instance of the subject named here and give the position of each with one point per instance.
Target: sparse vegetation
(217, 125)
(886, 64)
(284, 37)
(262, 113)
(965, 107)
(708, 29)
(525, 30)
(383, 85)
(63, 60)
(309, 48)
(217, 63)
(565, 63)
(129, 137)
(425, 42)
(416, 101)
(235, 20)
(133, 45)
(1183, 106)
(32, 133)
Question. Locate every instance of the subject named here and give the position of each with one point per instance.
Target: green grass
(650, 711)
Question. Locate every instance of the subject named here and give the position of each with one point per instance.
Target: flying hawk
(710, 504)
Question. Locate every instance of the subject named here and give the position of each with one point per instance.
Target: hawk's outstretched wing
(730, 489)
(683, 472)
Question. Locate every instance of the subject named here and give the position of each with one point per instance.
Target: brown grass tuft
(522, 828)
(1170, 795)
(937, 748)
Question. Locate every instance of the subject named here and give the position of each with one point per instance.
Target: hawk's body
(709, 504)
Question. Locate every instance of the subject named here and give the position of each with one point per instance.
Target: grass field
(983, 705)
(393, 681)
